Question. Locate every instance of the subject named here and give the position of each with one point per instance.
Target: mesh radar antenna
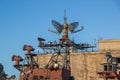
(64, 28)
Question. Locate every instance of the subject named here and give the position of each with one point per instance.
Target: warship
(58, 67)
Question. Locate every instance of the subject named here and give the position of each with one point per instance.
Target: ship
(68, 60)
(58, 67)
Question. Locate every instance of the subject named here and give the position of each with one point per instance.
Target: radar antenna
(64, 28)
(57, 26)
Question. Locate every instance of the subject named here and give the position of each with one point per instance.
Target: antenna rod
(65, 15)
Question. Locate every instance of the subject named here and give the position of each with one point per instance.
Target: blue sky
(23, 21)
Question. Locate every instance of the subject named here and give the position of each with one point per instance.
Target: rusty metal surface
(108, 74)
(31, 71)
(17, 59)
(46, 74)
(58, 67)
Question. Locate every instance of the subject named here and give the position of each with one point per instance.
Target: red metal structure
(109, 75)
(31, 70)
(58, 67)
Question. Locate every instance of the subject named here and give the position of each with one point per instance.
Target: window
(118, 60)
(107, 67)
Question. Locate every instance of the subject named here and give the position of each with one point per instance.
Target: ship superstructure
(58, 67)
